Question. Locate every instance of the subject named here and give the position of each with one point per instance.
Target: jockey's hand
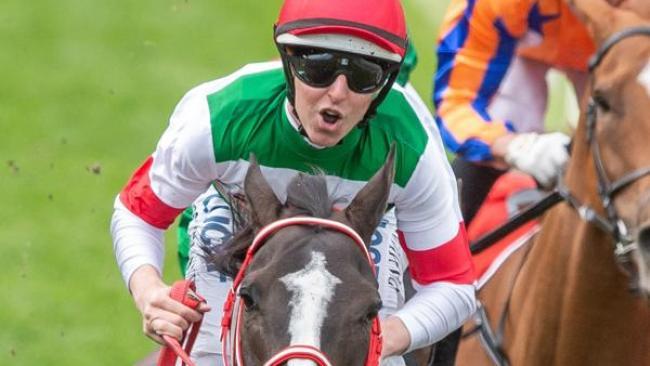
(396, 337)
(541, 155)
(161, 315)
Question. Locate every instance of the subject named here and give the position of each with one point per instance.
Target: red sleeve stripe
(140, 199)
(451, 262)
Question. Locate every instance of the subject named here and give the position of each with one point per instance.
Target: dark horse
(305, 285)
(578, 293)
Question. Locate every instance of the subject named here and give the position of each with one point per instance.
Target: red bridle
(232, 309)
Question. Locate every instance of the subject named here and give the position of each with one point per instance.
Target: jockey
(332, 104)
(183, 250)
(490, 88)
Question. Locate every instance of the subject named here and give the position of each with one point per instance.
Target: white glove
(541, 155)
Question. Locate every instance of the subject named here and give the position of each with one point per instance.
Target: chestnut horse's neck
(571, 303)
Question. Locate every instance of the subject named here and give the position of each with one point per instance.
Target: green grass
(89, 85)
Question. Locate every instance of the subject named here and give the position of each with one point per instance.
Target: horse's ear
(603, 17)
(264, 205)
(369, 205)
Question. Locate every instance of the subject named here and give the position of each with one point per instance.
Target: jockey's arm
(139, 253)
(180, 169)
(432, 233)
(473, 56)
(475, 53)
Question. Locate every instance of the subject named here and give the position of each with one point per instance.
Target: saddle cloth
(512, 192)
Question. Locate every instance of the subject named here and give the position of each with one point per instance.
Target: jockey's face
(327, 114)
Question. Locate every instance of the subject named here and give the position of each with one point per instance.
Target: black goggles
(319, 68)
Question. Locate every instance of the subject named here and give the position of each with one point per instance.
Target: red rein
(185, 293)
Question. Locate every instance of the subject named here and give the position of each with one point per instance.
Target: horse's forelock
(307, 194)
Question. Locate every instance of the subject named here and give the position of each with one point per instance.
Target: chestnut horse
(304, 285)
(577, 293)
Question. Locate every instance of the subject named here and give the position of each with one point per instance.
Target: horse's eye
(246, 294)
(601, 102)
(373, 311)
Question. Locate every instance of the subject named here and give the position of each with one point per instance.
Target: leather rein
(233, 311)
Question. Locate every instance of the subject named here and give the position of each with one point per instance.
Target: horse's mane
(306, 196)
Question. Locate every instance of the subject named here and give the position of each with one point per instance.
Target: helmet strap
(288, 75)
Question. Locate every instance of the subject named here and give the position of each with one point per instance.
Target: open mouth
(330, 116)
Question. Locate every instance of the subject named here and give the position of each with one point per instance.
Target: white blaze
(311, 290)
(644, 77)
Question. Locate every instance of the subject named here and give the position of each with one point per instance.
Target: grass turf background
(86, 90)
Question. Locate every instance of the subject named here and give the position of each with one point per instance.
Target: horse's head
(308, 284)
(613, 139)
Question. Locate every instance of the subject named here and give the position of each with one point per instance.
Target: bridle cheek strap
(608, 189)
(232, 309)
(375, 345)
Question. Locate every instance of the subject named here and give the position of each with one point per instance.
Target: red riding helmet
(379, 22)
(374, 28)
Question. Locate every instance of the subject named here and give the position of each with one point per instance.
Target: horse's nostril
(644, 239)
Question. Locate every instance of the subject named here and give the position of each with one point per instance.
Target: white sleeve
(429, 201)
(181, 168)
(135, 242)
(184, 164)
(436, 310)
(429, 217)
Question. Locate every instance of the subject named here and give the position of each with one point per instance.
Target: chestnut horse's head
(307, 284)
(615, 132)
